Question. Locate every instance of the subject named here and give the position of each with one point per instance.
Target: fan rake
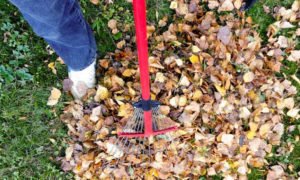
(148, 129)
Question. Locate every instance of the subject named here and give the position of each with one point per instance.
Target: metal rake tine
(110, 153)
(155, 117)
(155, 123)
(130, 121)
(117, 147)
(129, 147)
(133, 127)
(139, 146)
(144, 146)
(149, 150)
(126, 139)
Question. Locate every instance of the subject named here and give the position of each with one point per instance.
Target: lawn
(32, 137)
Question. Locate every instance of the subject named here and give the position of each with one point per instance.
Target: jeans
(62, 25)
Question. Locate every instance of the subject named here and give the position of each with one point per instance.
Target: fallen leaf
(52, 67)
(184, 81)
(293, 113)
(55, 95)
(112, 24)
(69, 153)
(173, 5)
(264, 129)
(101, 94)
(224, 34)
(248, 77)
(195, 49)
(226, 6)
(174, 101)
(227, 139)
(94, 1)
(125, 110)
(121, 44)
(244, 113)
(128, 72)
(194, 59)
(95, 113)
(182, 100)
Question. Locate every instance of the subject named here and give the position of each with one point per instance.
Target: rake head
(139, 141)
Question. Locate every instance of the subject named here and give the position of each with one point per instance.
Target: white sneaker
(82, 80)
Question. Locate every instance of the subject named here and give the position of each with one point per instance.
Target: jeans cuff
(91, 60)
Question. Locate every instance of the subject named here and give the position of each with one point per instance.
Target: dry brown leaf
(174, 101)
(121, 44)
(95, 113)
(248, 77)
(213, 4)
(55, 95)
(293, 113)
(226, 6)
(265, 128)
(112, 24)
(238, 4)
(184, 81)
(227, 139)
(224, 35)
(69, 153)
(94, 1)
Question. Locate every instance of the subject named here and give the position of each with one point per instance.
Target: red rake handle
(139, 10)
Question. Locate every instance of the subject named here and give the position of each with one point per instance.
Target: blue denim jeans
(62, 25)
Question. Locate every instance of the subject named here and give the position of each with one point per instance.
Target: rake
(147, 128)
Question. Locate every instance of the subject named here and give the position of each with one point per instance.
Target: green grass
(27, 123)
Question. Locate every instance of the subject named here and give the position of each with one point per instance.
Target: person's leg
(62, 25)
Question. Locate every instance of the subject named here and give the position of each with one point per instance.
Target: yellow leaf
(251, 134)
(253, 126)
(52, 67)
(243, 149)
(252, 95)
(132, 92)
(150, 175)
(153, 96)
(128, 72)
(194, 59)
(221, 90)
(257, 163)
(203, 172)
(125, 110)
(101, 94)
(197, 95)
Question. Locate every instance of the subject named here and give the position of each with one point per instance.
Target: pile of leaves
(214, 79)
